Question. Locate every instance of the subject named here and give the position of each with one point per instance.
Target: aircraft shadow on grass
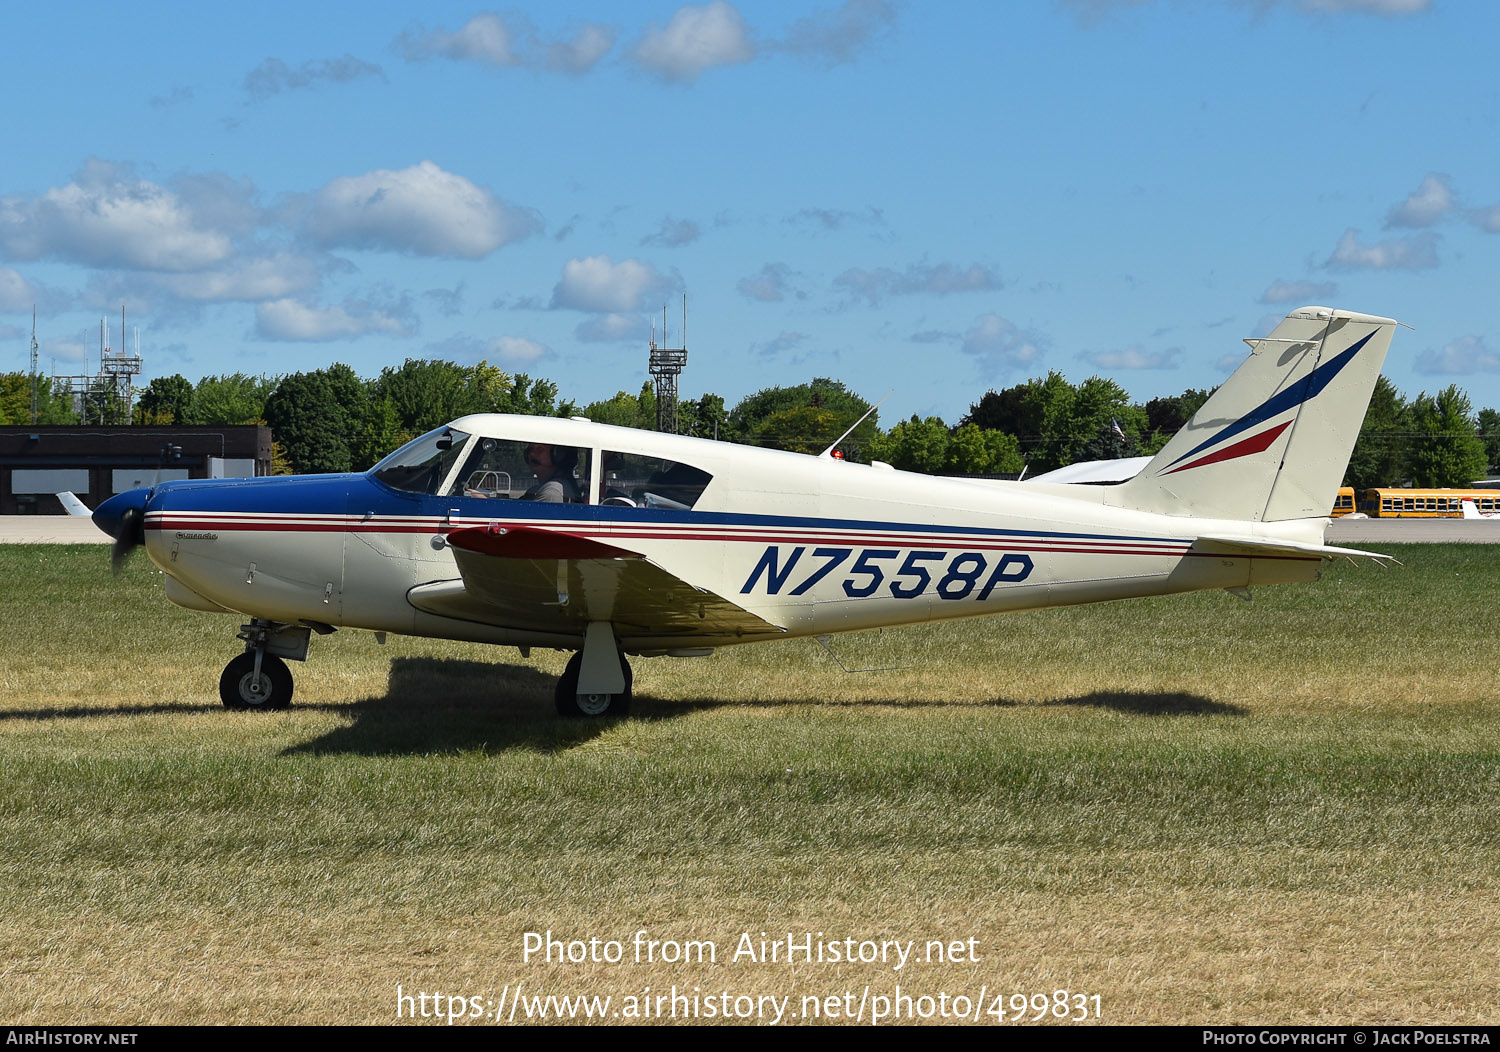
(436, 705)
(85, 712)
(1152, 703)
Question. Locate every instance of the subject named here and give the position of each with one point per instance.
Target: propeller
(130, 535)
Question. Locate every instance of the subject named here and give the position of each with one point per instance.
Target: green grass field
(1196, 808)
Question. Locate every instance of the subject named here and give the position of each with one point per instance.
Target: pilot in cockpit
(553, 467)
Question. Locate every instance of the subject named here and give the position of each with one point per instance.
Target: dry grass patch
(1196, 808)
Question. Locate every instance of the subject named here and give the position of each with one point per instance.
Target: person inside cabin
(553, 467)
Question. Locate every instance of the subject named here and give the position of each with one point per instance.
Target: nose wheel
(243, 686)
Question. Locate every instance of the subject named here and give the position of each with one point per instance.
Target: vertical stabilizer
(1273, 442)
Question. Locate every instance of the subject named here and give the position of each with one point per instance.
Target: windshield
(422, 464)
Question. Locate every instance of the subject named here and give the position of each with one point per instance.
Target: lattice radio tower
(666, 366)
(111, 389)
(35, 350)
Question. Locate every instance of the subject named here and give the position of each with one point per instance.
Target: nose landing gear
(259, 678)
(256, 681)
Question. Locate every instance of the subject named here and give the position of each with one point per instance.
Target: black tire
(573, 705)
(238, 689)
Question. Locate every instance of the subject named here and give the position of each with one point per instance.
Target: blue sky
(938, 198)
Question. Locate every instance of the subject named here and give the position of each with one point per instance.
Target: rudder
(1274, 440)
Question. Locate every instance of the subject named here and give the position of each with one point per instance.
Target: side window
(502, 469)
(634, 481)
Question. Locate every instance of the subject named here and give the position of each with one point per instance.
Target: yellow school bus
(1427, 503)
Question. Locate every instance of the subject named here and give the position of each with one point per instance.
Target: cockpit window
(499, 468)
(422, 464)
(634, 481)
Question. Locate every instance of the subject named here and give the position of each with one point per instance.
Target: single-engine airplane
(608, 541)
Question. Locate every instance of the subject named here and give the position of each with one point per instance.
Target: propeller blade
(131, 535)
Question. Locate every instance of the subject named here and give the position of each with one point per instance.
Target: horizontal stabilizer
(1264, 548)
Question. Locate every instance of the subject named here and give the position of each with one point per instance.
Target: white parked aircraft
(640, 543)
(1471, 510)
(71, 504)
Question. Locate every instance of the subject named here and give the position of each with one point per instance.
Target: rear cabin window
(634, 481)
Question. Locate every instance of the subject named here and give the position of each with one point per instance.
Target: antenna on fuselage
(829, 451)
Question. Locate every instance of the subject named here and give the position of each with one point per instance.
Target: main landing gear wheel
(572, 704)
(240, 688)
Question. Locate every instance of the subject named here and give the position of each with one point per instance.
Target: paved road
(64, 529)
(1346, 532)
(50, 529)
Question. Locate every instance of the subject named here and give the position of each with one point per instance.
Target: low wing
(549, 581)
(1260, 546)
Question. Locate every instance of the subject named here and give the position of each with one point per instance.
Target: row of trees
(1431, 440)
(333, 420)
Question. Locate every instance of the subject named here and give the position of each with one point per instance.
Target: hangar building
(96, 462)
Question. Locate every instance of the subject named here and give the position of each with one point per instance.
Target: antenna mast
(35, 349)
(666, 366)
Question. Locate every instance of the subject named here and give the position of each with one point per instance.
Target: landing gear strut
(259, 678)
(590, 686)
(572, 704)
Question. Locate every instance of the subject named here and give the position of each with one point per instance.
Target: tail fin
(1273, 441)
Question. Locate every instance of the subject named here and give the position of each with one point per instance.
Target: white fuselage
(811, 545)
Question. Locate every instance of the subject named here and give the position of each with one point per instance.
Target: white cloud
(517, 351)
(70, 350)
(582, 52)
(835, 37)
(614, 328)
(599, 284)
(1000, 346)
(1368, 7)
(1132, 358)
(1090, 12)
(873, 286)
(109, 218)
(179, 94)
(836, 219)
(1466, 355)
(1486, 219)
(782, 343)
(16, 293)
(287, 319)
(247, 279)
(771, 285)
(1412, 252)
(422, 211)
(273, 75)
(674, 232)
(695, 40)
(1425, 205)
(485, 39)
(1299, 291)
(449, 302)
